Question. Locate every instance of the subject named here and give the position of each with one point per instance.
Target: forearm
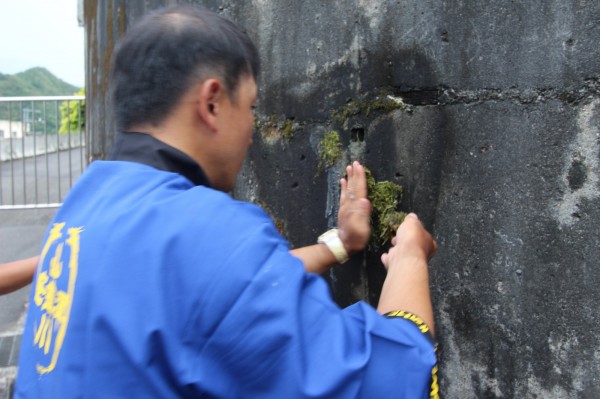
(406, 287)
(316, 258)
(17, 274)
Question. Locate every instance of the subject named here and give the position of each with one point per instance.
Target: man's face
(237, 126)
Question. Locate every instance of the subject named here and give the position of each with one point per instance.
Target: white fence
(28, 146)
(42, 149)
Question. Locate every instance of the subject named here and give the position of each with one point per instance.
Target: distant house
(12, 129)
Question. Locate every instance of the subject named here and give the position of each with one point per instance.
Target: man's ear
(210, 95)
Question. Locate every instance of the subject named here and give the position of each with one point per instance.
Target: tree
(72, 115)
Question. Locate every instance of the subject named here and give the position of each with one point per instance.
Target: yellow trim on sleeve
(435, 389)
(410, 316)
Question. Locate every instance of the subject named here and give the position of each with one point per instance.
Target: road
(36, 180)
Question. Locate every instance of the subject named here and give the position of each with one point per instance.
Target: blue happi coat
(150, 286)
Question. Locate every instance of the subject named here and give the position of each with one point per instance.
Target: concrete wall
(29, 146)
(497, 147)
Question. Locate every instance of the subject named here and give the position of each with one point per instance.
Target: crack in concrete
(588, 92)
(450, 96)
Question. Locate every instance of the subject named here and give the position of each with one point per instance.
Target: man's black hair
(166, 52)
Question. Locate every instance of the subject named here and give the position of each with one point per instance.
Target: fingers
(349, 171)
(354, 215)
(432, 243)
(412, 239)
(363, 211)
(354, 186)
(357, 180)
(412, 215)
(384, 260)
(386, 257)
(343, 191)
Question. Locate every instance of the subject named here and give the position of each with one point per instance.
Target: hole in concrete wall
(357, 134)
(444, 37)
(398, 174)
(569, 42)
(577, 175)
(302, 157)
(295, 185)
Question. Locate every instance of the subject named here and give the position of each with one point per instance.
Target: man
(153, 282)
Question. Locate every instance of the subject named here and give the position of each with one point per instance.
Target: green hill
(34, 82)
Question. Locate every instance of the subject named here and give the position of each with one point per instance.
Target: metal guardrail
(42, 149)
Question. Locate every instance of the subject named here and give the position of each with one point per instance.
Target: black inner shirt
(145, 149)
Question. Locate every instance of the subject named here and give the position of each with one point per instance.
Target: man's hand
(354, 216)
(411, 241)
(406, 286)
(354, 223)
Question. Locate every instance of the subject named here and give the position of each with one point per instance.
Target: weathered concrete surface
(498, 152)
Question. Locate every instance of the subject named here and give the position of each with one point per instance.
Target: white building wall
(11, 129)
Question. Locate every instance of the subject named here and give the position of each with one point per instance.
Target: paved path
(36, 180)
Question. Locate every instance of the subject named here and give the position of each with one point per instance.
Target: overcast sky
(42, 33)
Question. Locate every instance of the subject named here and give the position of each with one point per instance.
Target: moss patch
(385, 197)
(330, 149)
(382, 103)
(274, 129)
(287, 130)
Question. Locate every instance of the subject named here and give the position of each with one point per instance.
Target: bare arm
(316, 258)
(406, 286)
(353, 223)
(17, 274)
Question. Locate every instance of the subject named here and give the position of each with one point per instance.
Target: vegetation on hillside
(34, 82)
(47, 116)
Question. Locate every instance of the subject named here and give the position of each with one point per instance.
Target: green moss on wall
(330, 149)
(382, 103)
(287, 129)
(385, 198)
(273, 129)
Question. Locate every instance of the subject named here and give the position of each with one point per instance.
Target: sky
(42, 33)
